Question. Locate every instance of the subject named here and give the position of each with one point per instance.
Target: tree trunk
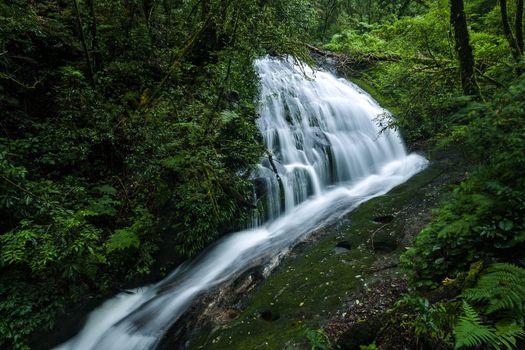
(329, 13)
(463, 48)
(84, 45)
(514, 49)
(147, 8)
(97, 61)
(519, 24)
(128, 23)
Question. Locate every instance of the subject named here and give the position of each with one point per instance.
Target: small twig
(373, 234)
(36, 197)
(386, 267)
(147, 99)
(19, 187)
(10, 77)
(494, 81)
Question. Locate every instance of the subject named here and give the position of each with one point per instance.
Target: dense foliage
(412, 62)
(460, 297)
(484, 216)
(126, 127)
(128, 137)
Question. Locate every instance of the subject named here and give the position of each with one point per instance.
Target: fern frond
(507, 334)
(507, 267)
(498, 278)
(502, 287)
(477, 294)
(510, 316)
(510, 300)
(500, 291)
(471, 332)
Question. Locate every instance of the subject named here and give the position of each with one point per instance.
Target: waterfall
(327, 153)
(319, 131)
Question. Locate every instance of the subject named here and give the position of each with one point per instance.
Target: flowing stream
(327, 155)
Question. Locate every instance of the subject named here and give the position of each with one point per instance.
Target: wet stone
(248, 279)
(342, 223)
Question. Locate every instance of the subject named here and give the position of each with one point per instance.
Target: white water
(330, 156)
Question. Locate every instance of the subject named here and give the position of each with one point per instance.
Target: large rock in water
(361, 333)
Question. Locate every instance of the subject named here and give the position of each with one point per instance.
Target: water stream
(327, 155)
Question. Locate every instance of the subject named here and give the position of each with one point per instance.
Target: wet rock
(229, 315)
(342, 223)
(248, 280)
(320, 138)
(361, 333)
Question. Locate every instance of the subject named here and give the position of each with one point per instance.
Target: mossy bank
(320, 278)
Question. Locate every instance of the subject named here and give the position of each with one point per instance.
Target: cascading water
(326, 156)
(319, 132)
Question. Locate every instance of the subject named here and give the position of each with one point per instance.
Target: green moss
(367, 84)
(313, 282)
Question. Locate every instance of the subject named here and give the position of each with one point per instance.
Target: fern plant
(500, 297)
(471, 331)
(501, 288)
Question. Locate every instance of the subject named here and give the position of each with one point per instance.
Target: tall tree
(519, 24)
(97, 61)
(89, 65)
(514, 47)
(329, 13)
(463, 48)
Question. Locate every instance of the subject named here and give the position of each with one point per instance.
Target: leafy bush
(484, 216)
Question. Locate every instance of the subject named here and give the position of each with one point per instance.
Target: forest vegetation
(128, 138)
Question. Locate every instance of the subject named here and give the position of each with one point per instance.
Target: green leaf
(106, 189)
(228, 116)
(122, 239)
(506, 225)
